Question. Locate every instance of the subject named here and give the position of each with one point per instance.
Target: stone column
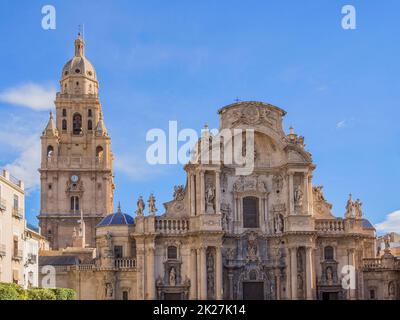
(202, 193)
(352, 262)
(198, 273)
(192, 195)
(151, 290)
(291, 194)
(306, 207)
(310, 195)
(309, 273)
(193, 274)
(217, 193)
(218, 273)
(203, 274)
(230, 277)
(293, 272)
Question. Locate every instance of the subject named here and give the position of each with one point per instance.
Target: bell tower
(76, 167)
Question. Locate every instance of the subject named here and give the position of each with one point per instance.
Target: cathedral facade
(268, 234)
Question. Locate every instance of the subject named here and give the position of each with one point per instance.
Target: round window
(77, 71)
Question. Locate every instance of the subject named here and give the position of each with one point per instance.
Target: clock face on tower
(74, 178)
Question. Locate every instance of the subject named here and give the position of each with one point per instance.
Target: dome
(116, 219)
(79, 65)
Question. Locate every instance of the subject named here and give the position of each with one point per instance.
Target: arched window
(64, 125)
(172, 252)
(99, 153)
(74, 203)
(250, 212)
(77, 123)
(50, 151)
(89, 113)
(64, 112)
(328, 253)
(90, 125)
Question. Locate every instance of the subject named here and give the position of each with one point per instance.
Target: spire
(119, 207)
(79, 46)
(51, 127)
(101, 127)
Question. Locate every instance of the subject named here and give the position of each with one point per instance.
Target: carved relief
(179, 193)
(210, 256)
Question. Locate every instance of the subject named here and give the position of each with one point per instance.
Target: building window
(250, 212)
(172, 253)
(372, 294)
(64, 125)
(90, 125)
(16, 202)
(328, 253)
(125, 295)
(118, 252)
(64, 112)
(74, 203)
(15, 246)
(77, 123)
(50, 151)
(90, 113)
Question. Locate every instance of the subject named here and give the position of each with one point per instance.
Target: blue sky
(182, 60)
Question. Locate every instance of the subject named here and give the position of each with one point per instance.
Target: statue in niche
(152, 204)
(261, 186)
(210, 196)
(179, 193)
(357, 209)
(172, 277)
(300, 282)
(299, 261)
(298, 196)
(252, 247)
(350, 207)
(140, 206)
(329, 276)
(226, 215)
(108, 237)
(278, 223)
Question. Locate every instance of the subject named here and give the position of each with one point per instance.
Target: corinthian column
(202, 193)
(309, 273)
(217, 193)
(293, 272)
(150, 274)
(291, 194)
(305, 191)
(203, 274)
(193, 274)
(218, 273)
(192, 195)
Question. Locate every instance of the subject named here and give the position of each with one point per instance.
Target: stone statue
(299, 282)
(179, 193)
(349, 208)
(319, 196)
(298, 196)
(109, 291)
(172, 277)
(210, 196)
(358, 209)
(277, 182)
(278, 223)
(329, 275)
(140, 206)
(252, 247)
(261, 186)
(152, 204)
(387, 243)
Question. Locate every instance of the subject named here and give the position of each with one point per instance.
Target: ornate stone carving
(349, 208)
(318, 194)
(252, 247)
(277, 182)
(358, 209)
(172, 277)
(298, 196)
(226, 215)
(210, 273)
(179, 193)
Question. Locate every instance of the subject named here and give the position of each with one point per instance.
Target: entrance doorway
(253, 290)
(330, 295)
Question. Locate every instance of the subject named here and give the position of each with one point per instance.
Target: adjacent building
(12, 228)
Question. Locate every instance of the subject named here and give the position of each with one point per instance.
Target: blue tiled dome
(116, 219)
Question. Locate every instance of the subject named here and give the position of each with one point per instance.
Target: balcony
(2, 250)
(17, 213)
(330, 226)
(2, 204)
(125, 263)
(17, 255)
(171, 225)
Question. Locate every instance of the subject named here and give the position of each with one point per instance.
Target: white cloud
(30, 95)
(341, 124)
(390, 224)
(20, 139)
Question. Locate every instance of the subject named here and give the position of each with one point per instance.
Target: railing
(2, 250)
(171, 226)
(75, 162)
(330, 225)
(3, 204)
(18, 213)
(125, 263)
(17, 255)
(86, 267)
(372, 263)
(62, 269)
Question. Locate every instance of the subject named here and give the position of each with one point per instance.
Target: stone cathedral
(267, 235)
